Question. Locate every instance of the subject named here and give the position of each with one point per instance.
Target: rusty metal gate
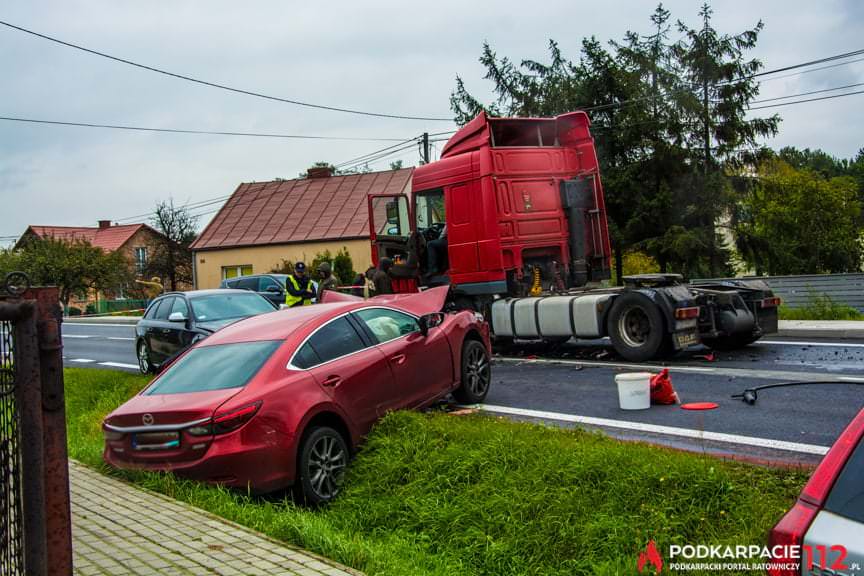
(35, 528)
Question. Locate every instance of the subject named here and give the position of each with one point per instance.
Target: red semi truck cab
(522, 203)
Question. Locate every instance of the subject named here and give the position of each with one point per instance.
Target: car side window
(336, 339)
(247, 284)
(180, 306)
(164, 309)
(306, 357)
(151, 310)
(268, 282)
(386, 324)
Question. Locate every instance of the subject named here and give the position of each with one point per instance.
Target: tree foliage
(796, 221)
(172, 258)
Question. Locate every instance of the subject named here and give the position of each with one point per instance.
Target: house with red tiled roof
(266, 223)
(135, 241)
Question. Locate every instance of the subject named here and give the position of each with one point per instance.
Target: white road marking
(789, 375)
(792, 343)
(119, 338)
(82, 360)
(851, 378)
(119, 365)
(656, 429)
(77, 336)
(117, 325)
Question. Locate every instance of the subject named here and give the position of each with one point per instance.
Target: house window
(235, 271)
(140, 259)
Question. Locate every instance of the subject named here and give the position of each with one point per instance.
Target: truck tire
(730, 342)
(636, 328)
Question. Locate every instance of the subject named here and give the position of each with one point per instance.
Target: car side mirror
(274, 289)
(428, 321)
(177, 317)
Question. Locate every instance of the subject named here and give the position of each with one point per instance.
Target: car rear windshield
(214, 368)
(227, 306)
(847, 496)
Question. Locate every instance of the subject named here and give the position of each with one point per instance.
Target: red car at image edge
(282, 399)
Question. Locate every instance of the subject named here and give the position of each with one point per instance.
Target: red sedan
(282, 398)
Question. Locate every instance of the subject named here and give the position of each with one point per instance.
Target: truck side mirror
(428, 321)
(392, 208)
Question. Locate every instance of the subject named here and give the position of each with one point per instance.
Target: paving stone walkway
(118, 529)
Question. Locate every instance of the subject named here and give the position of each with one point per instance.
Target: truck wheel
(731, 342)
(636, 328)
(476, 373)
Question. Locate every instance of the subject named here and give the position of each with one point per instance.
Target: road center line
(120, 338)
(656, 429)
(82, 360)
(793, 343)
(77, 336)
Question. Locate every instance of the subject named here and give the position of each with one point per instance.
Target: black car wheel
(144, 364)
(321, 467)
(476, 373)
(636, 328)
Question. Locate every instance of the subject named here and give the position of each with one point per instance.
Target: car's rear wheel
(476, 373)
(144, 364)
(321, 466)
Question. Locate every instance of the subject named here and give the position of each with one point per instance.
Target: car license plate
(685, 339)
(156, 440)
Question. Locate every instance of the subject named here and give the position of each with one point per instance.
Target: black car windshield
(214, 368)
(226, 306)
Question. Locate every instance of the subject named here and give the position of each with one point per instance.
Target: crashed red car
(283, 398)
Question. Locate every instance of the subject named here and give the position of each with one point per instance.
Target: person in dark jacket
(381, 279)
(298, 287)
(326, 279)
(362, 284)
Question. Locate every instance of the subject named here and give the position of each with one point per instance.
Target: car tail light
(770, 302)
(823, 477)
(789, 533)
(226, 421)
(230, 421)
(686, 313)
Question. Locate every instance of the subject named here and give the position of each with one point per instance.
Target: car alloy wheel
(476, 373)
(322, 467)
(143, 358)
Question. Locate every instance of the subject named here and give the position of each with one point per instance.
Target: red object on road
(662, 391)
(280, 398)
(700, 406)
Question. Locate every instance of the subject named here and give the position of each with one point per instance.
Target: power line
(811, 70)
(360, 158)
(807, 100)
(377, 157)
(220, 86)
(187, 131)
(807, 93)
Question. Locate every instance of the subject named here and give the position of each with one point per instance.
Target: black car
(175, 321)
(270, 286)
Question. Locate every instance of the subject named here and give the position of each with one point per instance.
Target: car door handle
(331, 381)
(398, 359)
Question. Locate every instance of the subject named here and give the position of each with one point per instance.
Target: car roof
(210, 292)
(278, 325)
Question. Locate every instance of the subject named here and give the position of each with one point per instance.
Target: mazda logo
(147, 419)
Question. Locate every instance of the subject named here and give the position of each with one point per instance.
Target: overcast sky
(383, 56)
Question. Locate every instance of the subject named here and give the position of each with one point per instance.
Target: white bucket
(634, 390)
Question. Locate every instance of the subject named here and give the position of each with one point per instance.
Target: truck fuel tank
(576, 315)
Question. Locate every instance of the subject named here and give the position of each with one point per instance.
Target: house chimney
(104, 224)
(319, 172)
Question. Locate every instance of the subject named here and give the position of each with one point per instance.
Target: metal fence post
(28, 390)
(56, 461)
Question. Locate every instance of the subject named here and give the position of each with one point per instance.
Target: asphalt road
(574, 385)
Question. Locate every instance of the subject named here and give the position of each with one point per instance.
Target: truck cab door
(392, 233)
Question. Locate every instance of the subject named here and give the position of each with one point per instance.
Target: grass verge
(436, 494)
(820, 308)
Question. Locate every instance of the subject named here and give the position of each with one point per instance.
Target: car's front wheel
(144, 364)
(321, 466)
(476, 373)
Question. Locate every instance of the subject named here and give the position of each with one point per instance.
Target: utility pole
(425, 150)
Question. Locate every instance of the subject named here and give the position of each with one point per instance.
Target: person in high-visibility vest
(298, 287)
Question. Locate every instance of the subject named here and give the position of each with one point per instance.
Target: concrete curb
(821, 329)
(119, 320)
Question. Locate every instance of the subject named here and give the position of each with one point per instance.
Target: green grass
(820, 307)
(439, 495)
